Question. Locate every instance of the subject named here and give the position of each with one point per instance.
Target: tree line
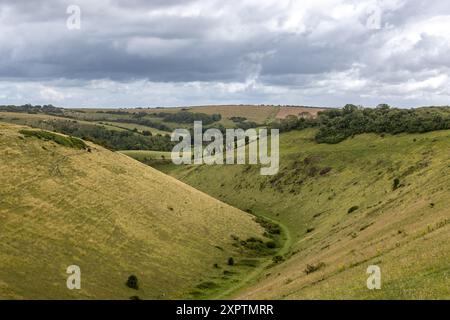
(336, 125)
(111, 139)
(188, 117)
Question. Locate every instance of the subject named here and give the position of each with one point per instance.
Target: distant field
(258, 114)
(253, 113)
(296, 111)
(261, 115)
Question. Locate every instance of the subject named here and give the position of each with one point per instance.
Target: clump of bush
(132, 282)
(230, 261)
(310, 268)
(324, 171)
(258, 245)
(271, 228)
(277, 259)
(353, 209)
(207, 285)
(69, 142)
(271, 244)
(396, 184)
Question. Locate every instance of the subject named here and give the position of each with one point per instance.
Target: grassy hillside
(63, 203)
(369, 200)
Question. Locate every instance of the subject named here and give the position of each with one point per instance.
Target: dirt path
(258, 271)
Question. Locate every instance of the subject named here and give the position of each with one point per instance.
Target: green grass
(312, 195)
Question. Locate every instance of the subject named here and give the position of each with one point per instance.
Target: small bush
(207, 285)
(277, 259)
(270, 227)
(132, 282)
(396, 184)
(324, 171)
(228, 272)
(353, 209)
(271, 244)
(310, 268)
(230, 261)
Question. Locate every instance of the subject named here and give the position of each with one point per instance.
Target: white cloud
(141, 53)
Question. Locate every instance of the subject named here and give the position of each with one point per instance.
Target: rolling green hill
(369, 200)
(64, 202)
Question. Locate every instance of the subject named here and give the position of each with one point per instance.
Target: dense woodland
(336, 125)
(28, 108)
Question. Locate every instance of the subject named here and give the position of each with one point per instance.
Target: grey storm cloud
(174, 52)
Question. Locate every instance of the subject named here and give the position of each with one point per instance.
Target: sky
(136, 53)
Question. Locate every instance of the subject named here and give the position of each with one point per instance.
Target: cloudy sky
(129, 53)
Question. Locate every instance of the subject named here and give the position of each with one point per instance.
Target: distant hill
(261, 114)
(69, 203)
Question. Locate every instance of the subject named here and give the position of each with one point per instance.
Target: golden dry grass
(112, 216)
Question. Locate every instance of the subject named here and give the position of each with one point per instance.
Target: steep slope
(370, 200)
(113, 217)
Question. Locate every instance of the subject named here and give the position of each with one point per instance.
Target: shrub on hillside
(132, 282)
(310, 268)
(271, 228)
(353, 209)
(271, 244)
(396, 184)
(277, 259)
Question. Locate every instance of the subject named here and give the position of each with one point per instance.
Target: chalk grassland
(370, 200)
(113, 217)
